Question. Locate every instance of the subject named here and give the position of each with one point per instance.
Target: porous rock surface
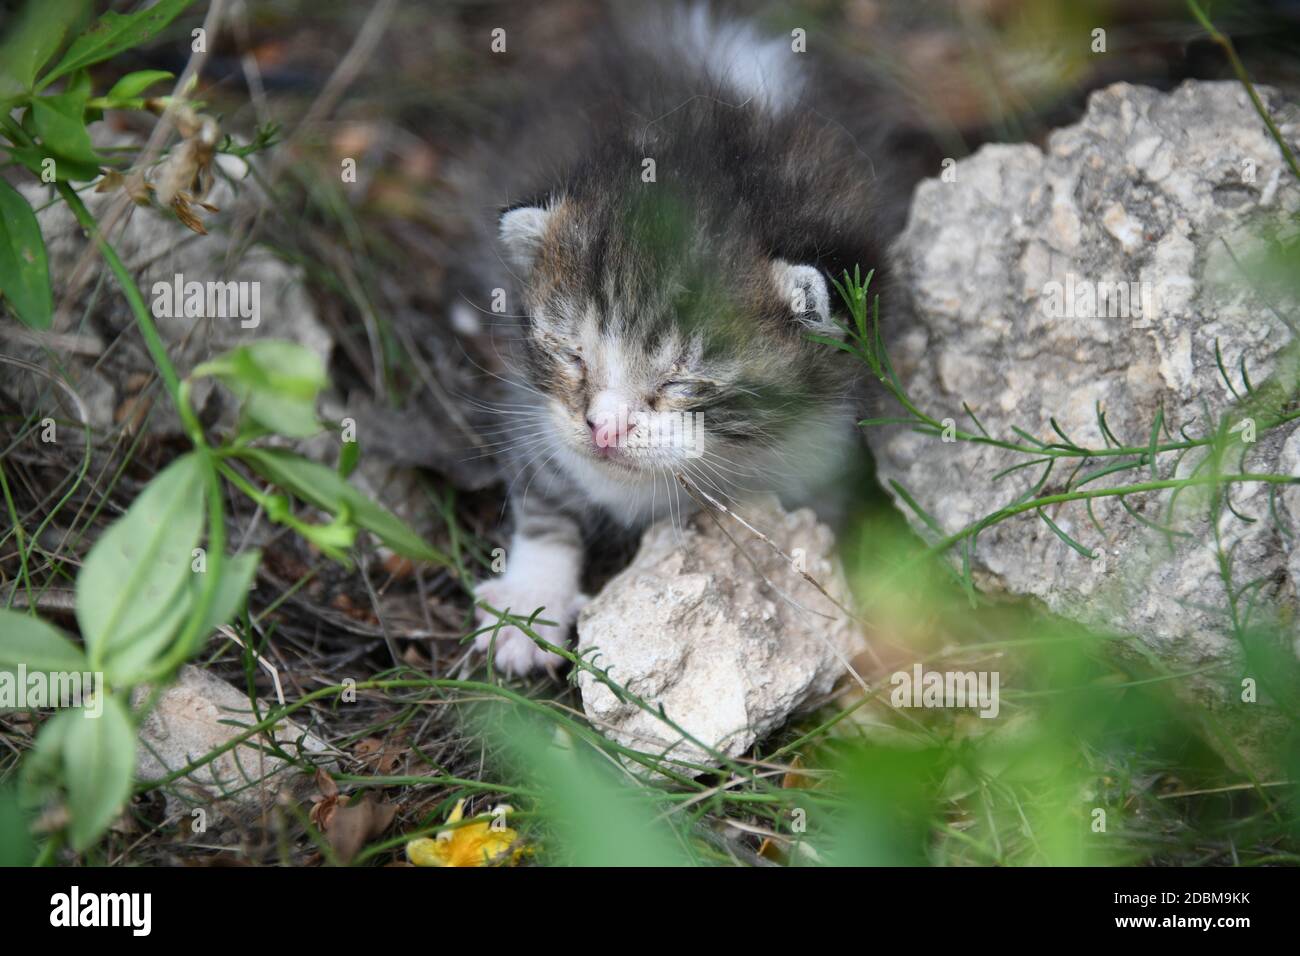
(729, 650)
(196, 715)
(1180, 192)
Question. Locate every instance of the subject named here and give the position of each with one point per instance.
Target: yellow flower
(478, 844)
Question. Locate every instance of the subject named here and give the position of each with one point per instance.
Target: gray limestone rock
(1101, 274)
(728, 652)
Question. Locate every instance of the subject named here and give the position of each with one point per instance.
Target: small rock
(196, 715)
(691, 626)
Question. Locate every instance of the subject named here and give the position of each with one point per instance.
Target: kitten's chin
(614, 461)
(613, 466)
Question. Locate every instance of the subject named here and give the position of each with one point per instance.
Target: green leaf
(978, 423)
(322, 487)
(126, 664)
(16, 846)
(334, 539)
(1056, 530)
(232, 591)
(275, 382)
(916, 507)
(1154, 443)
(137, 572)
(61, 124)
(600, 819)
(24, 270)
(41, 768)
(41, 647)
(349, 458)
(80, 84)
(114, 32)
(33, 37)
(132, 663)
(35, 159)
(133, 84)
(98, 761)
(38, 159)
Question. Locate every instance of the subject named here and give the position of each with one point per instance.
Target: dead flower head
(185, 176)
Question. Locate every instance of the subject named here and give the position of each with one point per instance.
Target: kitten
(687, 201)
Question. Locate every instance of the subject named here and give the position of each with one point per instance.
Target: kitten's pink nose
(607, 418)
(604, 431)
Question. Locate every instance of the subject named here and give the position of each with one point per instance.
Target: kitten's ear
(521, 231)
(804, 290)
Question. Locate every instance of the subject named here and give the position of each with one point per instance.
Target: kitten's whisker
(491, 374)
(524, 469)
(502, 447)
(705, 478)
(523, 499)
(516, 428)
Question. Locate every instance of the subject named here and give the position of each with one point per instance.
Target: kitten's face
(656, 358)
(629, 402)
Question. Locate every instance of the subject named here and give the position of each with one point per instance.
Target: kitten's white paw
(522, 594)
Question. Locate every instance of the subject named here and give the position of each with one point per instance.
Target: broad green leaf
(34, 36)
(133, 84)
(276, 384)
(126, 664)
(24, 271)
(232, 591)
(322, 487)
(132, 663)
(114, 32)
(137, 572)
(42, 767)
(38, 160)
(98, 761)
(41, 647)
(80, 85)
(284, 416)
(16, 846)
(61, 124)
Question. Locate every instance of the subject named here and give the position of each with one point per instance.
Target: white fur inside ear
(521, 232)
(805, 291)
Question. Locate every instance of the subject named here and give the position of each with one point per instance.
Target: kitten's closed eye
(564, 359)
(686, 389)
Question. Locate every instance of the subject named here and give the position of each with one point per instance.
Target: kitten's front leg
(543, 570)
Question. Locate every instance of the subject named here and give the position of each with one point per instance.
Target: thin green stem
(23, 556)
(1032, 504)
(1239, 68)
(144, 321)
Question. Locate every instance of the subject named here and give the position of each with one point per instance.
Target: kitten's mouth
(613, 456)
